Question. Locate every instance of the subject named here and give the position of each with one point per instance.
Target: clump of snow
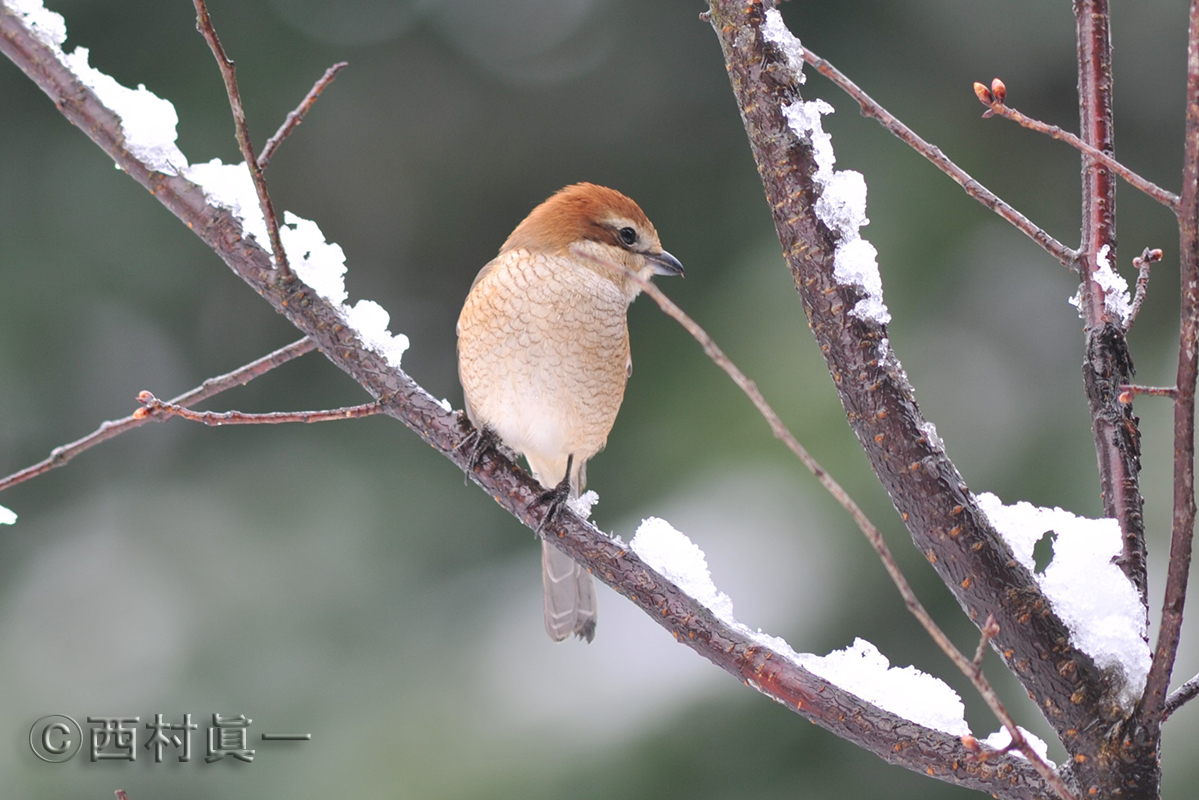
(1116, 300)
(1095, 599)
(7, 516)
(370, 320)
(930, 432)
(583, 504)
(860, 669)
(681, 562)
(444, 403)
(49, 28)
(1115, 289)
(841, 207)
(230, 186)
(320, 264)
(1001, 739)
(774, 30)
(906, 692)
(147, 121)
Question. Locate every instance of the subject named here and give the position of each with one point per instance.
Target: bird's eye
(628, 236)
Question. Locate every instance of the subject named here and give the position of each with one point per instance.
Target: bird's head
(601, 223)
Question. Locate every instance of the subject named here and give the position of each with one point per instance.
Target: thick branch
(895, 740)
(1108, 364)
(928, 491)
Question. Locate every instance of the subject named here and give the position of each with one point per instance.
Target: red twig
(1143, 263)
(204, 26)
(1154, 700)
(294, 118)
(1107, 364)
(1131, 390)
(107, 430)
(870, 108)
(994, 102)
(218, 418)
(971, 669)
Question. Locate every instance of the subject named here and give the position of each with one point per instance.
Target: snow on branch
(148, 125)
(1099, 604)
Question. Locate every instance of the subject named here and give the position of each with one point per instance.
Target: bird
(543, 355)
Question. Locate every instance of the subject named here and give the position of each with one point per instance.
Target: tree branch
(1180, 697)
(1154, 702)
(942, 515)
(204, 26)
(871, 108)
(1107, 364)
(896, 740)
(294, 118)
(107, 430)
(999, 108)
(152, 406)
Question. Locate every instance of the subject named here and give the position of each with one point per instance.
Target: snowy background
(339, 580)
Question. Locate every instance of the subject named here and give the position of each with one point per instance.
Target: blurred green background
(339, 579)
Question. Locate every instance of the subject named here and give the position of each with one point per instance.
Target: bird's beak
(665, 264)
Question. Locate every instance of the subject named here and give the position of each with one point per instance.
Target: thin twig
(870, 108)
(1180, 697)
(1131, 390)
(872, 533)
(107, 430)
(1143, 263)
(204, 26)
(1000, 109)
(219, 418)
(1154, 700)
(987, 632)
(294, 118)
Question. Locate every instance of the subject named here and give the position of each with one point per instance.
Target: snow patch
(774, 30)
(231, 187)
(681, 562)
(1001, 739)
(583, 504)
(906, 692)
(1116, 300)
(1087, 590)
(7, 516)
(860, 669)
(48, 27)
(841, 207)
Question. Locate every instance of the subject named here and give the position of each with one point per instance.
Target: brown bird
(543, 354)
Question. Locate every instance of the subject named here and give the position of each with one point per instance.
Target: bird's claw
(476, 444)
(555, 498)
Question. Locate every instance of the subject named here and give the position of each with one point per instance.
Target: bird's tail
(570, 605)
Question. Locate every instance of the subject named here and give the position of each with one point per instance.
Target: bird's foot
(556, 497)
(476, 444)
